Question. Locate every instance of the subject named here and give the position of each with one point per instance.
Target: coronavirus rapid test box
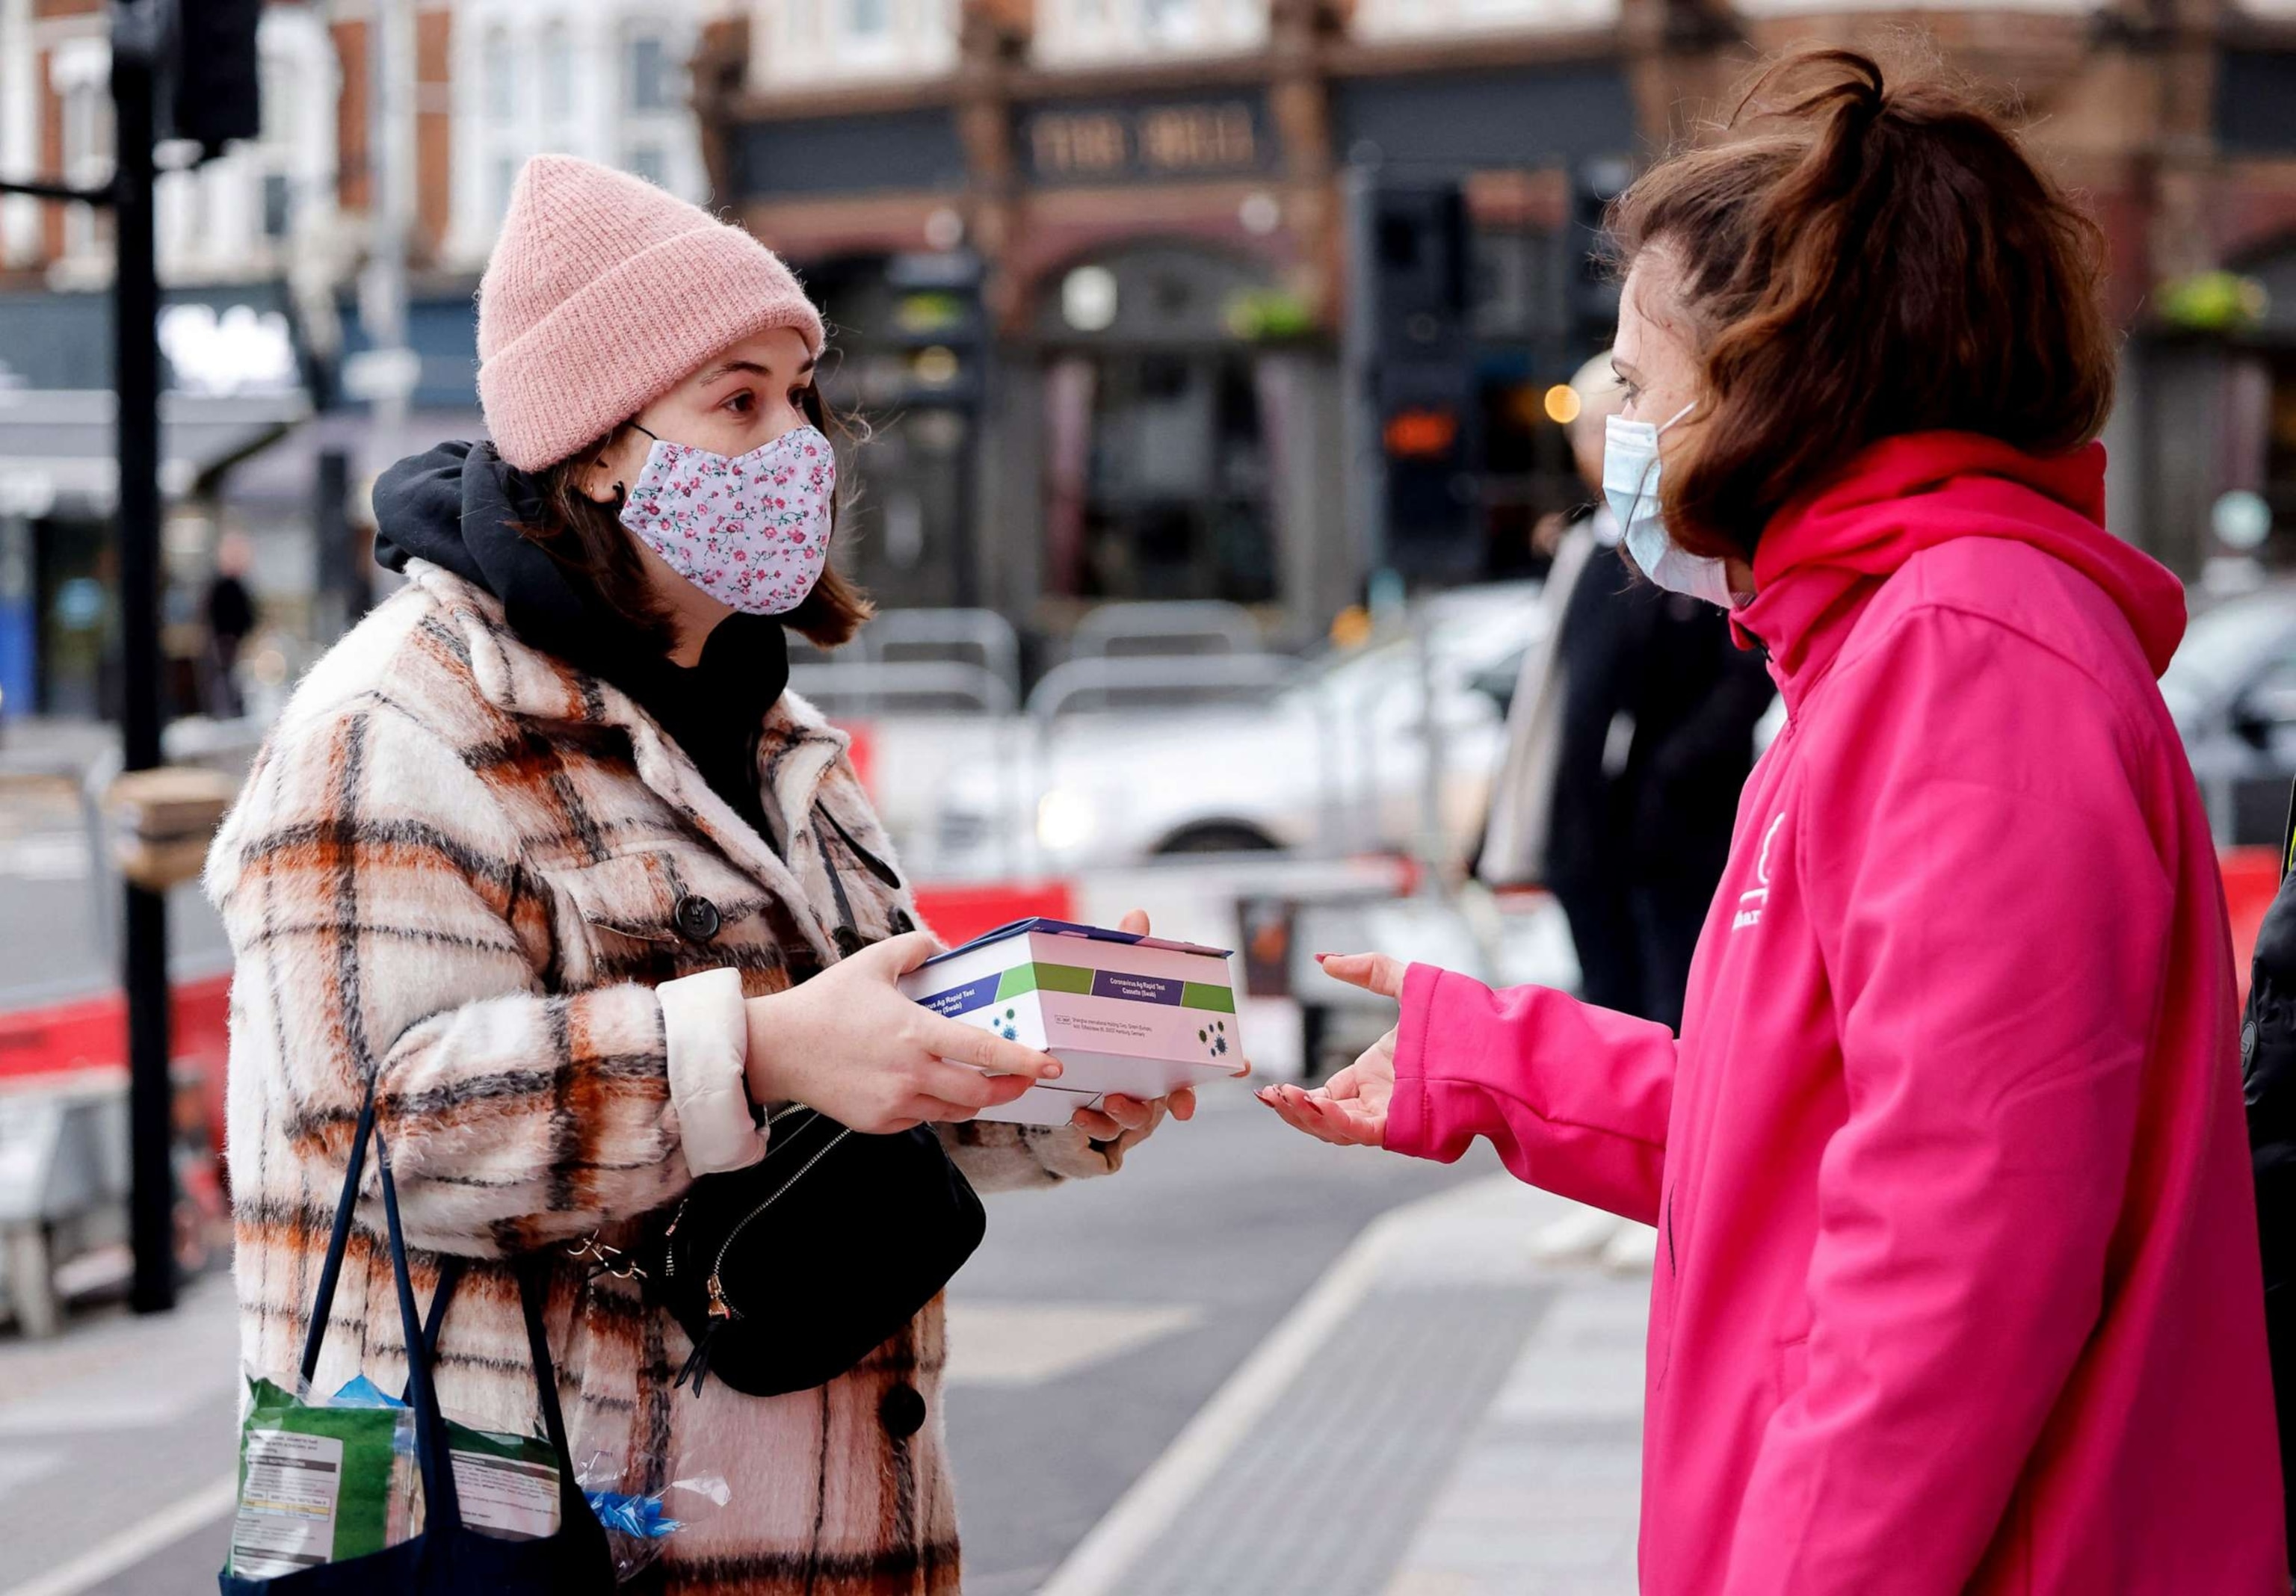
(1137, 1016)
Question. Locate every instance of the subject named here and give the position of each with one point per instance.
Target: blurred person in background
(228, 608)
(544, 856)
(1644, 717)
(2267, 1069)
(1958, 1283)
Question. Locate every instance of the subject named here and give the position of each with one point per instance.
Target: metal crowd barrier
(1195, 622)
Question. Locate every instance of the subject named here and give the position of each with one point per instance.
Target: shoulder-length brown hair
(588, 539)
(1858, 260)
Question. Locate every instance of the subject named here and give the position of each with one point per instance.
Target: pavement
(1249, 1365)
(1445, 1414)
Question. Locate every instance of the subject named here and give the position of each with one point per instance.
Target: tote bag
(446, 1558)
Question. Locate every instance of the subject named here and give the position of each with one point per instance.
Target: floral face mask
(751, 530)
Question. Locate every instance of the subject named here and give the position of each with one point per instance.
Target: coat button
(902, 1411)
(697, 918)
(849, 941)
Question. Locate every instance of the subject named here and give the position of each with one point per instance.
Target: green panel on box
(1043, 978)
(1195, 995)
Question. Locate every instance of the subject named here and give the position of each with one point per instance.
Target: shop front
(235, 387)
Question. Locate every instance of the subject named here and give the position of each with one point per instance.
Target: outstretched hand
(1350, 1110)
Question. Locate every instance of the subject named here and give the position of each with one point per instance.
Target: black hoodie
(459, 507)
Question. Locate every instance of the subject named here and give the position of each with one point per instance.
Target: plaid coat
(456, 868)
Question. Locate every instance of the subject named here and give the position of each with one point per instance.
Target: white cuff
(708, 1036)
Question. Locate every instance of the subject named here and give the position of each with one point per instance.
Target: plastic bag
(636, 1524)
(318, 1482)
(321, 1480)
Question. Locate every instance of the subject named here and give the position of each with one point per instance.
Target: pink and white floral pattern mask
(751, 530)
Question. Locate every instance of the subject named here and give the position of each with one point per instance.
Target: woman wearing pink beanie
(543, 859)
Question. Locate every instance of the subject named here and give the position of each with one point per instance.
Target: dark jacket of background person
(1635, 848)
(2268, 1069)
(229, 610)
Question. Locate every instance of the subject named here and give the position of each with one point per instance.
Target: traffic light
(1422, 379)
(217, 87)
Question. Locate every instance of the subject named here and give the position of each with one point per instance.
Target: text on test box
(1139, 1016)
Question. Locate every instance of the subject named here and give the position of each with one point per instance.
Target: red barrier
(959, 913)
(2251, 878)
(863, 751)
(91, 1033)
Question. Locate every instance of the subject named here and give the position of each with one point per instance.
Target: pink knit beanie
(603, 292)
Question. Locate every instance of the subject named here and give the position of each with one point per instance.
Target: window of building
(87, 132)
(647, 161)
(810, 43)
(277, 218)
(506, 179)
(1172, 21)
(81, 79)
(557, 74)
(1399, 19)
(502, 77)
(645, 82)
(1094, 31)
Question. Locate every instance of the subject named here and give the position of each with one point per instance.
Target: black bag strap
(443, 1505)
(338, 1240)
(533, 1295)
(442, 1508)
(451, 1266)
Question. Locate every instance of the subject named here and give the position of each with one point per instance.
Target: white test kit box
(1136, 1016)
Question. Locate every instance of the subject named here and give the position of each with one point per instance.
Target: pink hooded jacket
(1957, 1284)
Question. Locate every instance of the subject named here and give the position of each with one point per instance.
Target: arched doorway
(1160, 428)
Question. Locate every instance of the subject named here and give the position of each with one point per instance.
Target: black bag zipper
(722, 1311)
(719, 1307)
(669, 1254)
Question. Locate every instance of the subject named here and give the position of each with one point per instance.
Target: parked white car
(1334, 758)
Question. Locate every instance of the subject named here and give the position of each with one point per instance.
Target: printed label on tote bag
(286, 1520)
(514, 1498)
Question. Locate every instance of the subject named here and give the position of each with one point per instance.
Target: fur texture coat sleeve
(385, 929)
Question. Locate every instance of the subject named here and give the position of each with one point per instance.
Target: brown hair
(588, 539)
(1858, 261)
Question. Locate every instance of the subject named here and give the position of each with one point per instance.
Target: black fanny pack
(788, 1273)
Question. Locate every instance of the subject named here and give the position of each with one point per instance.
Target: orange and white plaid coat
(456, 870)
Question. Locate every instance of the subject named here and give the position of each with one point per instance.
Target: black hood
(459, 507)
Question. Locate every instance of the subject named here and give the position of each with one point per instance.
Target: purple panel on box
(1138, 988)
(963, 1000)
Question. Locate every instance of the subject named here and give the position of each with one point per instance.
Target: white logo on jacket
(1750, 902)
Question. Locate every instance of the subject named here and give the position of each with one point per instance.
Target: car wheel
(1219, 836)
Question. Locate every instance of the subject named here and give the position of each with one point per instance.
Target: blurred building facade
(1092, 270)
(262, 257)
(1109, 277)
(1088, 259)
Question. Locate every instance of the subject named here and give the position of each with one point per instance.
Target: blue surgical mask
(1630, 487)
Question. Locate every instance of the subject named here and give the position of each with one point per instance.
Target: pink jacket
(1957, 1284)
